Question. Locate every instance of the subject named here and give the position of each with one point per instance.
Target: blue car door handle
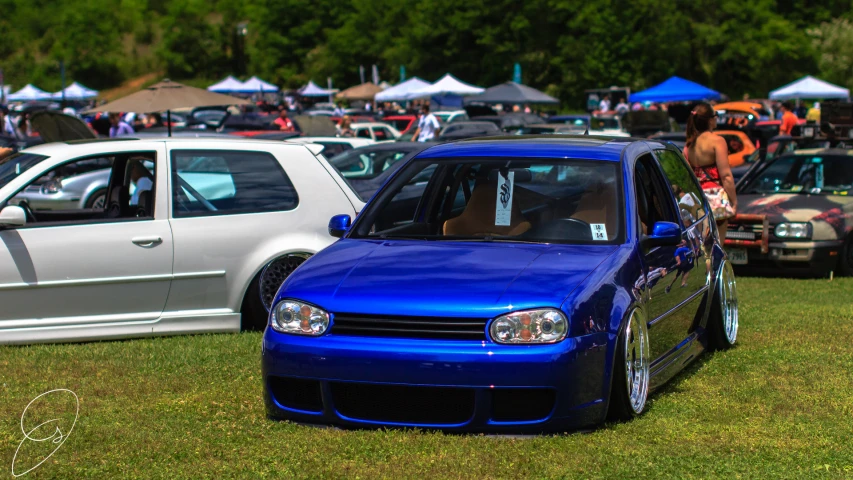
(147, 241)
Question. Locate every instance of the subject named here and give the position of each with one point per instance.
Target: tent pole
(169, 122)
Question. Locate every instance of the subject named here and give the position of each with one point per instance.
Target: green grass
(779, 405)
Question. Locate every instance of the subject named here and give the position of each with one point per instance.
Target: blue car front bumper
(451, 385)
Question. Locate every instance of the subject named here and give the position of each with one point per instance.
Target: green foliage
(834, 42)
(563, 46)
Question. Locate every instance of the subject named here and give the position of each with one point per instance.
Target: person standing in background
(814, 113)
(789, 120)
(604, 105)
(622, 107)
(428, 126)
(284, 123)
(6, 125)
(118, 127)
(708, 154)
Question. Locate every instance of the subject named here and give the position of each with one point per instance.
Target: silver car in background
(82, 189)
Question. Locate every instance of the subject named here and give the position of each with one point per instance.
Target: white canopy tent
(314, 90)
(75, 91)
(448, 85)
(401, 91)
(809, 87)
(29, 92)
(228, 85)
(255, 84)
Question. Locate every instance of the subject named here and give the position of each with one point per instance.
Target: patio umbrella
(365, 91)
(511, 92)
(166, 96)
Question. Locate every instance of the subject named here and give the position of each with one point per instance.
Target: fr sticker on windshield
(599, 232)
(503, 205)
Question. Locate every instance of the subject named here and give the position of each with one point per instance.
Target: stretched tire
(630, 380)
(264, 287)
(723, 320)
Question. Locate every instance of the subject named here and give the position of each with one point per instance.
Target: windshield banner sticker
(503, 205)
(599, 232)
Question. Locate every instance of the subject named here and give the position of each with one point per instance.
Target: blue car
(534, 284)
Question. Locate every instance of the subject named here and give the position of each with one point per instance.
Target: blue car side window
(685, 188)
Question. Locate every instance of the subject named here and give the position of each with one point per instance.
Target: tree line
(563, 46)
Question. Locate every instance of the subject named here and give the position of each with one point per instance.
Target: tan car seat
(598, 205)
(478, 218)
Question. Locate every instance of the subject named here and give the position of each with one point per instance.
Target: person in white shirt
(622, 107)
(6, 125)
(604, 105)
(139, 175)
(428, 126)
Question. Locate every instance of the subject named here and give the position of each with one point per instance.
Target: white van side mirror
(13, 216)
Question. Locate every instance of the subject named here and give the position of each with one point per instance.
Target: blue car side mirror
(339, 224)
(663, 233)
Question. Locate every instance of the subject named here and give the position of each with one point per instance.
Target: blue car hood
(470, 279)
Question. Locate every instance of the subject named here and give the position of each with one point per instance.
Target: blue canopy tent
(675, 89)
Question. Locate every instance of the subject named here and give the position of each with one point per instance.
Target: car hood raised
(423, 278)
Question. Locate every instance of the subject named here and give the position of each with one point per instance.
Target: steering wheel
(564, 229)
(209, 206)
(28, 212)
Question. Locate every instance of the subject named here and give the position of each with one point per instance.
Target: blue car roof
(534, 146)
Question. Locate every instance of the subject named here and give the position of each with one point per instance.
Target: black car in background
(367, 168)
(462, 130)
(510, 121)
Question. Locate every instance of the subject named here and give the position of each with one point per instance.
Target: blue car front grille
(404, 404)
(446, 328)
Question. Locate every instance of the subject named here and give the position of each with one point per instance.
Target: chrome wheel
(637, 361)
(728, 303)
(276, 273)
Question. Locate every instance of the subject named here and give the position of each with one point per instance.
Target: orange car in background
(734, 119)
(740, 146)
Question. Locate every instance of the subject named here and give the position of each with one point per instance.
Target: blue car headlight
(801, 231)
(292, 316)
(544, 325)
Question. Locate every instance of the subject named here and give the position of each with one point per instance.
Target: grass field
(779, 405)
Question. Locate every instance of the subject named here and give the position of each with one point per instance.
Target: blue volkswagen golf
(516, 284)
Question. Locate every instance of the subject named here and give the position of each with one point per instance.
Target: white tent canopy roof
(314, 90)
(448, 85)
(401, 90)
(228, 85)
(75, 91)
(255, 84)
(29, 92)
(809, 87)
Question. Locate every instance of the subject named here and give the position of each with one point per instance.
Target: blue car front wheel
(630, 388)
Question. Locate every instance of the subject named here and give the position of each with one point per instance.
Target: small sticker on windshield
(797, 188)
(599, 232)
(503, 204)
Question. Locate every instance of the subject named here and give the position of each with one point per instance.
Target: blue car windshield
(13, 166)
(499, 199)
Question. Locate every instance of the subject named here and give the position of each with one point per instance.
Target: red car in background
(401, 122)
